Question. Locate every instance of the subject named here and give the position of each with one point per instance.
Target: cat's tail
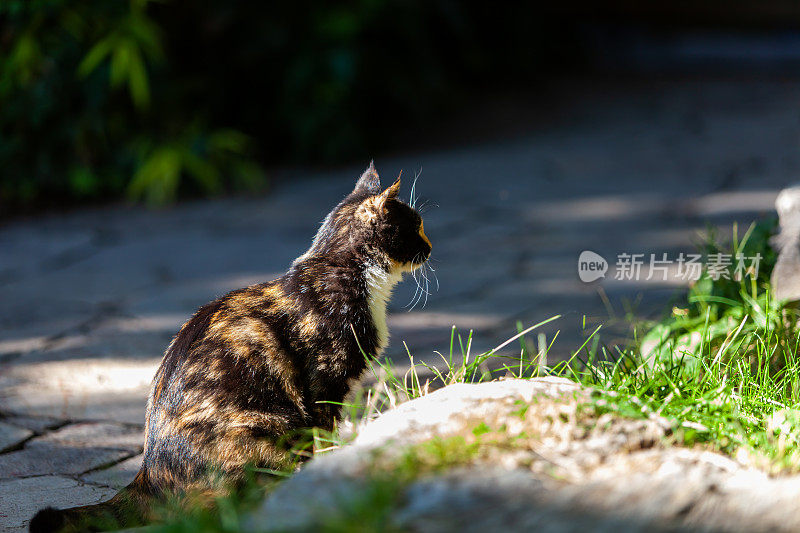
(129, 508)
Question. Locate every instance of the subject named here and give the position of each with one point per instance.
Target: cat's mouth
(411, 266)
(407, 268)
(424, 276)
(417, 262)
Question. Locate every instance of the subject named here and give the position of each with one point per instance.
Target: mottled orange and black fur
(260, 362)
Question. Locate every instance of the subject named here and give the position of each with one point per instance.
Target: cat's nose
(430, 248)
(425, 237)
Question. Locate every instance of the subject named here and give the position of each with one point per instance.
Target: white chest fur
(379, 289)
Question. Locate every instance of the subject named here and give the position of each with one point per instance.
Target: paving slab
(94, 435)
(11, 436)
(35, 424)
(56, 459)
(73, 449)
(81, 389)
(22, 498)
(116, 476)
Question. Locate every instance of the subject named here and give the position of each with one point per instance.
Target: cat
(263, 361)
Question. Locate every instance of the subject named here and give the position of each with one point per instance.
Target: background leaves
(153, 100)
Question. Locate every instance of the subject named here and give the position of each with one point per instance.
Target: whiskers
(422, 277)
(413, 198)
(425, 273)
(425, 206)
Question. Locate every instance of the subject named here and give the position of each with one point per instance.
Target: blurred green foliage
(80, 117)
(152, 99)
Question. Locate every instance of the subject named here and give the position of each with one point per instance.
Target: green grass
(721, 366)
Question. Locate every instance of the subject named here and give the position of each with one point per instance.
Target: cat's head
(376, 225)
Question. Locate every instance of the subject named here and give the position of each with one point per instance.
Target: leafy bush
(79, 115)
(157, 98)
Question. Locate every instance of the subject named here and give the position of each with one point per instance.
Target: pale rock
(576, 473)
(785, 277)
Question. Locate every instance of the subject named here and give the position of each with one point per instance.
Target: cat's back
(229, 371)
(241, 315)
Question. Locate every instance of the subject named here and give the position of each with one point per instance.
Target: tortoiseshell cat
(256, 364)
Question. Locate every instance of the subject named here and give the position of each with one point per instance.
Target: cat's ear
(371, 208)
(369, 180)
(390, 192)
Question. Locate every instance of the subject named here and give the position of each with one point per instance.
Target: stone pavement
(89, 300)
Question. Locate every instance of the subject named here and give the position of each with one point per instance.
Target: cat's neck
(380, 284)
(353, 280)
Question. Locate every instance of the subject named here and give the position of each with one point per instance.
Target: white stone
(616, 477)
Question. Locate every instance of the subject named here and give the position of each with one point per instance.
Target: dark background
(155, 101)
